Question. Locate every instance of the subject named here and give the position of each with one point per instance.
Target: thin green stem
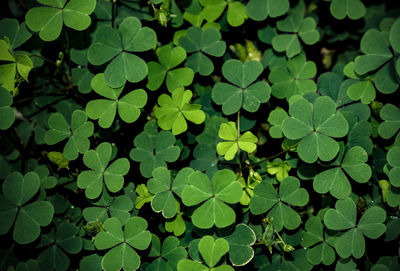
(274, 156)
(238, 137)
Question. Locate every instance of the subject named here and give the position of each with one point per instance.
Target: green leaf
(295, 79)
(18, 190)
(65, 241)
(112, 175)
(201, 42)
(376, 50)
(350, 243)
(335, 180)
(174, 111)
(169, 254)
(240, 242)
(153, 149)
(243, 92)
(215, 195)
(394, 36)
(160, 186)
(143, 196)
(266, 198)
(104, 110)
(259, 10)
(296, 27)
(315, 125)
(6, 112)
(343, 217)
(212, 250)
(169, 59)
(390, 115)
(122, 243)
(49, 20)
(119, 47)
(354, 9)
(77, 133)
(371, 223)
(276, 118)
(322, 252)
(16, 33)
(233, 141)
(236, 14)
(393, 156)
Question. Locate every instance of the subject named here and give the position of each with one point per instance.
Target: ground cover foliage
(195, 135)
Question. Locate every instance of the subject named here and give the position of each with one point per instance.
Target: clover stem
(274, 156)
(237, 142)
(69, 56)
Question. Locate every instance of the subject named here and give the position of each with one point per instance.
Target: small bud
(288, 248)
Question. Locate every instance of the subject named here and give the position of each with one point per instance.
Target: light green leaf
(174, 111)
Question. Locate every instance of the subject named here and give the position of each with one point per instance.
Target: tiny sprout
(58, 159)
(288, 248)
(162, 15)
(60, 59)
(93, 227)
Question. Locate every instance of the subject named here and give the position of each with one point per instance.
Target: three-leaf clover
(215, 195)
(175, 109)
(49, 20)
(153, 149)
(294, 79)
(335, 180)
(233, 142)
(112, 175)
(354, 9)
(391, 121)
(314, 234)
(168, 254)
(122, 243)
(266, 198)
(212, 251)
(243, 92)
(201, 42)
(119, 48)
(77, 133)
(169, 58)
(315, 124)
(105, 109)
(295, 27)
(344, 216)
(259, 10)
(65, 240)
(6, 112)
(27, 218)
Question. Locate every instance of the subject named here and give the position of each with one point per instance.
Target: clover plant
(194, 135)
